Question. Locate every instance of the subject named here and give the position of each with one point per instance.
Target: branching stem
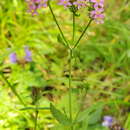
(70, 53)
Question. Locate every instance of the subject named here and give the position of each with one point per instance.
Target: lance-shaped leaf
(60, 40)
(93, 112)
(59, 116)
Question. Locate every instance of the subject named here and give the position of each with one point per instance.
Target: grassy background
(101, 64)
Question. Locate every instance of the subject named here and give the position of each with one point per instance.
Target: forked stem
(70, 53)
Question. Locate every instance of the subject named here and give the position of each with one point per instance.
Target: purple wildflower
(34, 5)
(13, 57)
(98, 11)
(80, 3)
(65, 3)
(107, 121)
(97, 1)
(97, 15)
(28, 54)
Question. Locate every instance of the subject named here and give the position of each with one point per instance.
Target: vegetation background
(101, 65)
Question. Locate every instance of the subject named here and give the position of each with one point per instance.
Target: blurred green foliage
(101, 66)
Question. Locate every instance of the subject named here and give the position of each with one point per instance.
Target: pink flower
(34, 5)
(97, 15)
(80, 3)
(65, 3)
(97, 1)
(98, 12)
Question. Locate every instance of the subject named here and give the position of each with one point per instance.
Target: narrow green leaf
(34, 108)
(12, 89)
(95, 116)
(87, 112)
(127, 123)
(59, 116)
(60, 40)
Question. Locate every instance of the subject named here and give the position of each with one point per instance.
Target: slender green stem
(76, 44)
(70, 86)
(36, 108)
(36, 117)
(12, 89)
(54, 17)
(73, 27)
